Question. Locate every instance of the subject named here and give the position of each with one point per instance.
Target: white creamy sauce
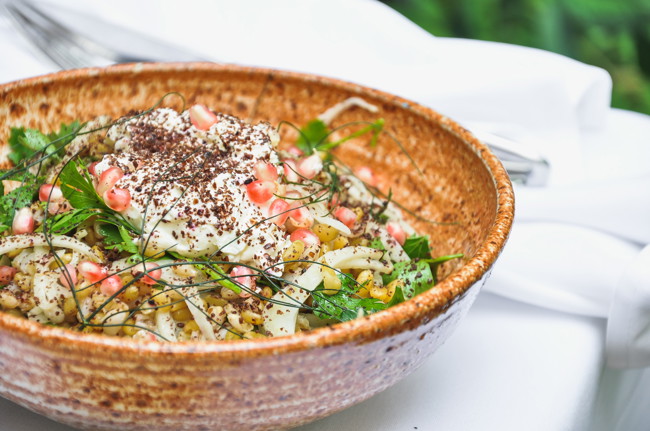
(188, 186)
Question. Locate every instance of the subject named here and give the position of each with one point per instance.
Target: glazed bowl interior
(451, 187)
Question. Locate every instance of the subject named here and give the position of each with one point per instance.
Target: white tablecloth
(510, 366)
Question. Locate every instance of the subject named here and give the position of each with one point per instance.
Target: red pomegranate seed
(310, 166)
(295, 151)
(266, 171)
(396, 231)
(68, 276)
(108, 179)
(201, 117)
(365, 174)
(346, 216)
(23, 222)
(261, 191)
(153, 273)
(244, 276)
(299, 217)
(91, 271)
(111, 285)
(7, 274)
(278, 210)
(91, 169)
(308, 237)
(291, 171)
(117, 199)
(49, 192)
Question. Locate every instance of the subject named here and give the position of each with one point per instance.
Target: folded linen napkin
(527, 95)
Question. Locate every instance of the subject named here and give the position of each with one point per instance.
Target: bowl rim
(362, 330)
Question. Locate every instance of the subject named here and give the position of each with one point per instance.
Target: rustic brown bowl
(108, 383)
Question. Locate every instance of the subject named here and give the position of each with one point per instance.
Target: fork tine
(34, 33)
(76, 39)
(62, 46)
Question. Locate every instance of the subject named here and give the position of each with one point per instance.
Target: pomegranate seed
(117, 199)
(111, 285)
(23, 222)
(299, 217)
(7, 274)
(295, 151)
(266, 171)
(278, 210)
(291, 171)
(261, 191)
(365, 174)
(310, 166)
(49, 192)
(153, 273)
(346, 216)
(91, 271)
(69, 274)
(201, 117)
(308, 237)
(396, 231)
(91, 169)
(243, 277)
(108, 179)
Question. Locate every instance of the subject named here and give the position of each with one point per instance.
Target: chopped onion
(17, 242)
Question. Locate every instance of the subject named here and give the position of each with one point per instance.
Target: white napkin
(557, 104)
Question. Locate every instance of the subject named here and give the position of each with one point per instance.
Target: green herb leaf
(435, 263)
(345, 304)
(117, 237)
(311, 135)
(25, 143)
(20, 197)
(377, 244)
(417, 247)
(419, 275)
(78, 188)
(416, 274)
(63, 223)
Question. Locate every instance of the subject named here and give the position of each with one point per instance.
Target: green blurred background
(612, 34)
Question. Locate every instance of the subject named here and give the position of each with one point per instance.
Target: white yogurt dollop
(188, 186)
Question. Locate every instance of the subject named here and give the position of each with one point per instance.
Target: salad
(195, 225)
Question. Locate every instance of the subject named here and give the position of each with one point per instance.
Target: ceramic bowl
(108, 383)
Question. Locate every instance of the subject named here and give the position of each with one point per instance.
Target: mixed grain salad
(193, 225)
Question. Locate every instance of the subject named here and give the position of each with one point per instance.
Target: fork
(69, 49)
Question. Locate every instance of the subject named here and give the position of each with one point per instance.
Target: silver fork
(69, 49)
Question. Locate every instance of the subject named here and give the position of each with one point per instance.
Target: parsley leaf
(311, 135)
(416, 274)
(417, 247)
(435, 263)
(345, 304)
(78, 188)
(419, 275)
(25, 143)
(21, 197)
(117, 237)
(377, 244)
(63, 223)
